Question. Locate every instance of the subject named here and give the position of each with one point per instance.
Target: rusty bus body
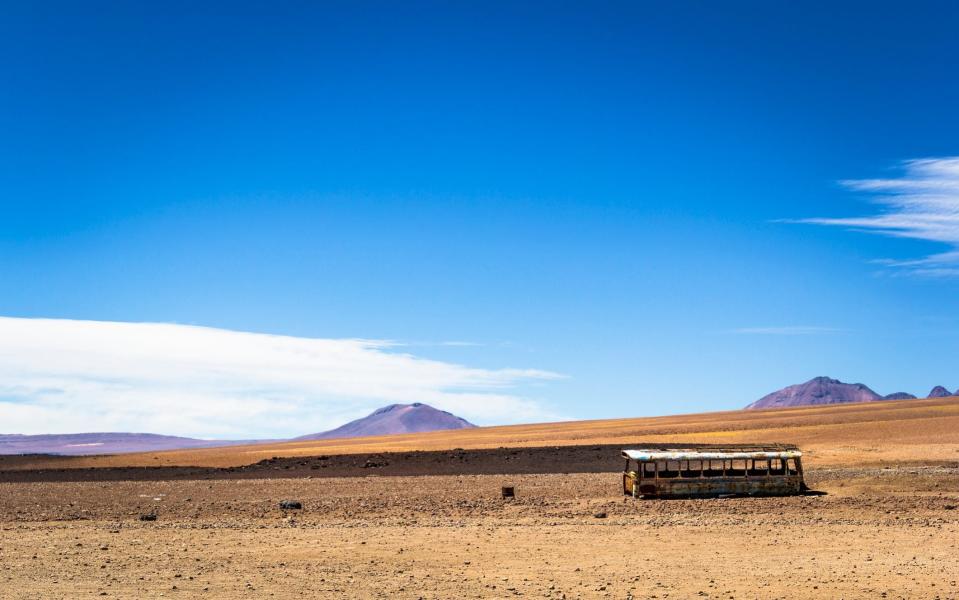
(710, 472)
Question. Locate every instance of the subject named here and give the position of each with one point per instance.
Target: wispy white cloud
(923, 204)
(66, 376)
(787, 330)
(447, 344)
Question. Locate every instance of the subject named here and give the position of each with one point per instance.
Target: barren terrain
(886, 527)
(870, 432)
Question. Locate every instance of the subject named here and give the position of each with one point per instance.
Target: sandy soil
(890, 533)
(887, 527)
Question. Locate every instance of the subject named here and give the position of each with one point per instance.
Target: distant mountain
(939, 392)
(395, 418)
(824, 390)
(100, 443)
(819, 390)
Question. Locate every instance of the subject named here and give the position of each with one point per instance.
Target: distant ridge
(77, 444)
(825, 390)
(395, 418)
(899, 396)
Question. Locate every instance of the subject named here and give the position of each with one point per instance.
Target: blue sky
(620, 198)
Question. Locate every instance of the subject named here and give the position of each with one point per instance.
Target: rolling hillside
(874, 432)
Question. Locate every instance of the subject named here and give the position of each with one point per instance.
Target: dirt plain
(887, 525)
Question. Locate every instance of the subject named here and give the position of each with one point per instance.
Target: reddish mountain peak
(395, 418)
(818, 390)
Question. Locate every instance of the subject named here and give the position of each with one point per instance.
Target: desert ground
(374, 525)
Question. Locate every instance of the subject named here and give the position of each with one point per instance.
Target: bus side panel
(720, 486)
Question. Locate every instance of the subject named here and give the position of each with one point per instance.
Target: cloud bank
(60, 376)
(923, 204)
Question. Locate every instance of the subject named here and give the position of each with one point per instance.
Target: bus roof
(683, 454)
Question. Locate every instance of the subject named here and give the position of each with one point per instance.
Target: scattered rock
(290, 505)
(148, 517)
(599, 515)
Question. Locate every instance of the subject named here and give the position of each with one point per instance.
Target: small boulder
(290, 505)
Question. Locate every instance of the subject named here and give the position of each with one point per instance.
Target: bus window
(670, 468)
(648, 470)
(712, 468)
(776, 467)
(692, 468)
(736, 468)
(791, 468)
(758, 468)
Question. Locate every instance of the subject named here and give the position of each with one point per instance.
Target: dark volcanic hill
(99, 443)
(939, 392)
(395, 418)
(820, 390)
(899, 396)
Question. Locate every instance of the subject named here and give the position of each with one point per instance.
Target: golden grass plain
(864, 433)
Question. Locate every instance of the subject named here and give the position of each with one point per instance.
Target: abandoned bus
(703, 472)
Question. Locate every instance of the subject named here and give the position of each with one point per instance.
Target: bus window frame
(647, 474)
(689, 472)
(780, 471)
